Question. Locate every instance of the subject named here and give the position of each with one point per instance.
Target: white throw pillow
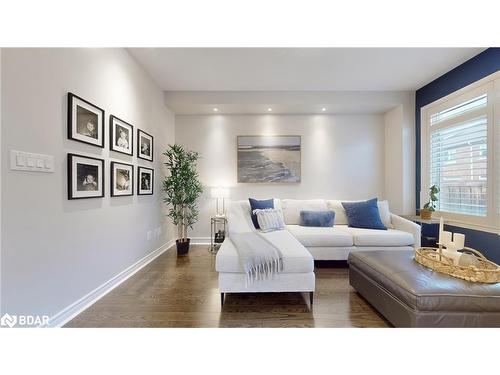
(269, 219)
(340, 216)
(292, 207)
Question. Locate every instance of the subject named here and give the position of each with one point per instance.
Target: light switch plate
(29, 162)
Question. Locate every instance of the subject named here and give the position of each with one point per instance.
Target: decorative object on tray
(267, 159)
(430, 207)
(219, 236)
(85, 121)
(454, 259)
(85, 177)
(121, 136)
(144, 145)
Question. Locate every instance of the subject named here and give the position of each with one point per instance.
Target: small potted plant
(182, 188)
(430, 206)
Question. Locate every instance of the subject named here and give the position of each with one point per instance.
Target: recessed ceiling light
(216, 109)
(323, 109)
(269, 110)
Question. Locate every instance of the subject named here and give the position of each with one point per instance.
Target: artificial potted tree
(182, 188)
(430, 206)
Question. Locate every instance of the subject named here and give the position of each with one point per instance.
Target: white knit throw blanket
(260, 258)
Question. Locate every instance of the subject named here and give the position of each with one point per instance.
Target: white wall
(393, 161)
(400, 156)
(55, 251)
(342, 156)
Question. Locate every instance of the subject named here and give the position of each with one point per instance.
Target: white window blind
(459, 166)
(460, 109)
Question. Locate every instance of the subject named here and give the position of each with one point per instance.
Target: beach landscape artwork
(268, 159)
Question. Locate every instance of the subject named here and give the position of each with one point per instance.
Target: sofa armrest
(405, 225)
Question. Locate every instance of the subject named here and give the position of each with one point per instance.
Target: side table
(217, 232)
(430, 229)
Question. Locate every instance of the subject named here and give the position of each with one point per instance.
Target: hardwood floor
(182, 292)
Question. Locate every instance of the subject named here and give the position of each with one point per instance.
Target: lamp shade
(220, 192)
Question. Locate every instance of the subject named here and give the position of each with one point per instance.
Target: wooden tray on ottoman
(485, 272)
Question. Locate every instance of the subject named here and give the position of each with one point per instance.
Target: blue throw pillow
(317, 218)
(261, 205)
(363, 214)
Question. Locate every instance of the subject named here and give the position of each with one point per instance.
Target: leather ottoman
(411, 295)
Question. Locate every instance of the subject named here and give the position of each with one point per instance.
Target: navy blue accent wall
(487, 243)
(480, 66)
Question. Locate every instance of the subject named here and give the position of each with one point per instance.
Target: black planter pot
(182, 246)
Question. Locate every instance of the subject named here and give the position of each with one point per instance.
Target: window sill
(481, 228)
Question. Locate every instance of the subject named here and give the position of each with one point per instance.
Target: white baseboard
(68, 313)
(200, 240)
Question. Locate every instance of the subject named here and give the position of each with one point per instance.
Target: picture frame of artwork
(122, 179)
(85, 177)
(144, 145)
(121, 136)
(85, 121)
(269, 158)
(145, 181)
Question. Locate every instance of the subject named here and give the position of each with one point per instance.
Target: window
(457, 110)
(462, 178)
(458, 154)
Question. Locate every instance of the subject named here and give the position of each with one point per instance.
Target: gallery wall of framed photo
(87, 175)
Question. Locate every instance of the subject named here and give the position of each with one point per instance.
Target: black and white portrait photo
(145, 181)
(85, 121)
(85, 177)
(145, 145)
(121, 136)
(122, 179)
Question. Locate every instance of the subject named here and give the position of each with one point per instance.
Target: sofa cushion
(317, 218)
(337, 236)
(259, 205)
(238, 217)
(341, 218)
(292, 207)
(269, 219)
(364, 214)
(296, 258)
(374, 237)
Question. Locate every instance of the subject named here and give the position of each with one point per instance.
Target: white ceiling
(298, 69)
(285, 102)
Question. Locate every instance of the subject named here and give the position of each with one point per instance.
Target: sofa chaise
(301, 245)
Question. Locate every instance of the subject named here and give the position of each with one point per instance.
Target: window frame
(489, 85)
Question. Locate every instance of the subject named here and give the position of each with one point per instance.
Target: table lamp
(220, 193)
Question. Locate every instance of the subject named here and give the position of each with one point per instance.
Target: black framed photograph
(121, 136)
(85, 121)
(122, 179)
(145, 181)
(144, 145)
(85, 177)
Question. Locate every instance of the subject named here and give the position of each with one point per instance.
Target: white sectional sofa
(301, 245)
